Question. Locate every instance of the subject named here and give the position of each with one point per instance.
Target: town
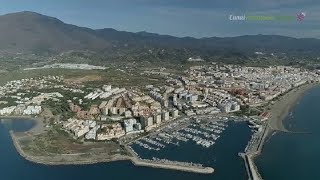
(107, 112)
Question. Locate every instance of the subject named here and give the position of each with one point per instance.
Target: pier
(251, 169)
(253, 149)
(249, 172)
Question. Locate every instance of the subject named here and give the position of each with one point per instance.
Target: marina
(201, 133)
(165, 162)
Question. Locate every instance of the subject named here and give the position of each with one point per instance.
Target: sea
(222, 156)
(285, 155)
(295, 155)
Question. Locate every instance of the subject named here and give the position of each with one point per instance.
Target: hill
(33, 33)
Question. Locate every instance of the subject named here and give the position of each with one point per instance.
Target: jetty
(173, 165)
(167, 164)
(251, 169)
(253, 149)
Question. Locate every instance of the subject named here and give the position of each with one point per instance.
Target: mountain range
(30, 32)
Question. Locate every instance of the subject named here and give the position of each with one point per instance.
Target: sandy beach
(280, 109)
(278, 112)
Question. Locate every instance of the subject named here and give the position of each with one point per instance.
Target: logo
(300, 16)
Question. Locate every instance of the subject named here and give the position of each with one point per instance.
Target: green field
(109, 76)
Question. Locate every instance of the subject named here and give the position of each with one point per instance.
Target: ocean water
(284, 156)
(295, 155)
(223, 157)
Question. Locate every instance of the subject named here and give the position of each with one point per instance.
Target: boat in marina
(202, 134)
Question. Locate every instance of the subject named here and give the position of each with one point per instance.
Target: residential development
(106, 112)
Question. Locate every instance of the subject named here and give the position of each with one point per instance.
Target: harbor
(202, 132)
(204, 135)
(199, 131)
(187, 161)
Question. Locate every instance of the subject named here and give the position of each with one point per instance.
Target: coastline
(279, 110)
(59, 161)
(38, 128)
(79, 159)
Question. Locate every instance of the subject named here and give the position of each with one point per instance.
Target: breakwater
(173, 165)
(253, 149)
(167, 164)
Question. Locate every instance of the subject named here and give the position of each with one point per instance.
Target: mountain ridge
(31, 32)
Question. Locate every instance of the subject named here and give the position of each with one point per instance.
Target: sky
(195, 18)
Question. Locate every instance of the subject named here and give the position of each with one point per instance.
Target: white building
(32, 110)
(7, 110)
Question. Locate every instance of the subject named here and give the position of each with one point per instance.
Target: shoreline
(39, 160)
(61, 159)
(38, 128)
(279, 110)
(282, 107)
